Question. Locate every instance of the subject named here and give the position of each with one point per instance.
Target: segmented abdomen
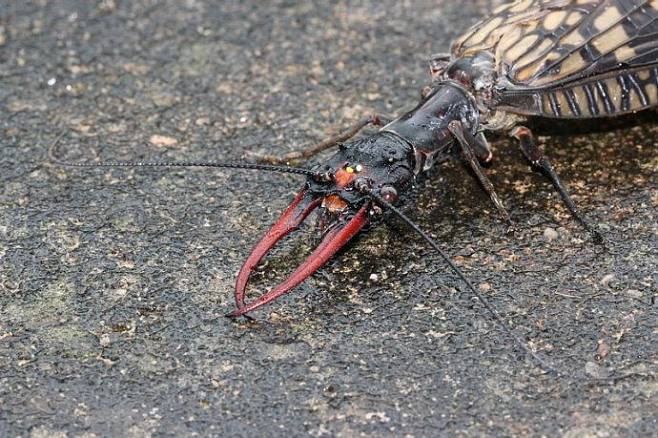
(621, 93)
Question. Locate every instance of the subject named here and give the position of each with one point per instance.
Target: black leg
(537, 159)
(375, 119)
(469, 145)
(482, 148)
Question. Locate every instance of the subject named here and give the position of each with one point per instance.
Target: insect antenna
(485, 302)
(220, 164)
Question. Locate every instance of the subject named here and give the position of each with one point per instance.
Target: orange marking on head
(343, 177)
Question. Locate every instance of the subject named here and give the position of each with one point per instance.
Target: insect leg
(482, 148)
(438, 63)
(374, 119)
(469, 146)
(426, 91)
(537, 159)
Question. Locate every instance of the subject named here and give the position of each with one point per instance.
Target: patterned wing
(544, 43)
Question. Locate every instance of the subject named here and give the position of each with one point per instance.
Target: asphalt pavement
(114, 282)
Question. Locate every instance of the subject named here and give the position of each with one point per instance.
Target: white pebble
(634, 293)
(550, 234)
(607, 279)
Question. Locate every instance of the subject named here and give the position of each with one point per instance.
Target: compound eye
(389, 194)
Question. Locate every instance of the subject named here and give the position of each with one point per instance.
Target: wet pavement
(114, 282)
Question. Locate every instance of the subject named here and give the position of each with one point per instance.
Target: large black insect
(561, 59)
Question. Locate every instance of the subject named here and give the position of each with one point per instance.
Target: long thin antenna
(499, 320)
(221, 164)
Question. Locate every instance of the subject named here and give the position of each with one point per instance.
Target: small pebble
(105, 340)
(484, 287)
(634, 293)
(594, 370)
(374, 277)
(163, 141)
(605, 281)
(602, 349)
(550, 234)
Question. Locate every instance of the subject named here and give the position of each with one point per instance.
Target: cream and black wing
(570, 58)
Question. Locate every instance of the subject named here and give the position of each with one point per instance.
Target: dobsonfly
(558, 59)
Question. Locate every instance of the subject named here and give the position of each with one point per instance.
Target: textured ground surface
(113, 282)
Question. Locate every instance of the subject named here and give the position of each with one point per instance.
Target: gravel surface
(114, 282)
